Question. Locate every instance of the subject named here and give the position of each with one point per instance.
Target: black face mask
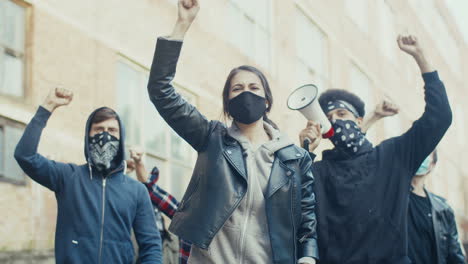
(247, 107)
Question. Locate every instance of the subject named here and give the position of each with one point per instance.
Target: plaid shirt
(166, 204)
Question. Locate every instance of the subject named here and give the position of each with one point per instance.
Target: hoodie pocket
(117, 252)
(79, 250)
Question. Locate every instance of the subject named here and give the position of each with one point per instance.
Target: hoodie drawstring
(125, 169)
(90, 170)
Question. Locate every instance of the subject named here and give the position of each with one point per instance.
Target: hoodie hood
(121, 153)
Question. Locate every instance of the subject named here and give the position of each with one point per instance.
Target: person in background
(432, 229)
(383, 109)
(162, 202)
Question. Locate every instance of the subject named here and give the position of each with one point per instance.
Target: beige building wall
(78, 45)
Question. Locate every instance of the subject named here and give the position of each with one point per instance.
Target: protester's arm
(42, 170)
(183, 117)
(426, 132)
(383, 109)
(455, 255)
(164, 201)
(307, 233)
(146, 232)
(140, 169)
(161, 199)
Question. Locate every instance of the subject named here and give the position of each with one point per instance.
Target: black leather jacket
(218, 183)
(445, 230)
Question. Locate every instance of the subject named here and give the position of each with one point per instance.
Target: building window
(10, 134)
(311, 53)
(361, 85)
(434, 23)
(250, 29)
(146, 128)
(357, 11)
(388, 33)
(12, 48)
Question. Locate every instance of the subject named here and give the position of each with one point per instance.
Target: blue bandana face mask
(425, 167)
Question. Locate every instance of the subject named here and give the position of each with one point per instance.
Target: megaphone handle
(305, 144)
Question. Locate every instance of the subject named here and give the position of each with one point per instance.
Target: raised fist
(386, 108)
(136, 155)
(57, 97)
(188, 10)
(410, 45)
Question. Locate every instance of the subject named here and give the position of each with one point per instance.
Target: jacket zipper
(103, 211)
(292, 217)
(232, 210)
(102, 219)
(304, 237)
(244, 228)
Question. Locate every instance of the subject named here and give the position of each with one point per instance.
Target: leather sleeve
(455, 252)
(307, 232)
(180, 115)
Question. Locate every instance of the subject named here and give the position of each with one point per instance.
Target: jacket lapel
(280, 173)
(233, 154)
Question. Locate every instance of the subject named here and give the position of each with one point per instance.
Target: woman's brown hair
(266, 86)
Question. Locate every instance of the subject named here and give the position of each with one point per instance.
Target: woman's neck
(254, 132)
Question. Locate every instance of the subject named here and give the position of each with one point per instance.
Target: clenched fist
(386, 108)
(136, 155)
(412, 46)
(188, 10)
(57, 97)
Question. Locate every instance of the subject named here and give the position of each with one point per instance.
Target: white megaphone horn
(305, 100)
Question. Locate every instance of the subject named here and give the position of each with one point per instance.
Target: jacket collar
(284, 154)
(233, 153)
(437, 204)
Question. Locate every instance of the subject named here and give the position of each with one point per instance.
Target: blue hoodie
(95, 214)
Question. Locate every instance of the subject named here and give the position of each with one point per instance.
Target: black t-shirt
(421, 240)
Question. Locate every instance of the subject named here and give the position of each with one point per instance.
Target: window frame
(322, 77)
(257, 27)
(5, 122)
(26, 54)
(165, 157)
(364, 27)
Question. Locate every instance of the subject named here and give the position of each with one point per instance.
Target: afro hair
(343, 95)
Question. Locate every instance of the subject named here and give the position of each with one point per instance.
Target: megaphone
(305, 100)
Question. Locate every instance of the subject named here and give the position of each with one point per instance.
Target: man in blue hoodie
(97, 204)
